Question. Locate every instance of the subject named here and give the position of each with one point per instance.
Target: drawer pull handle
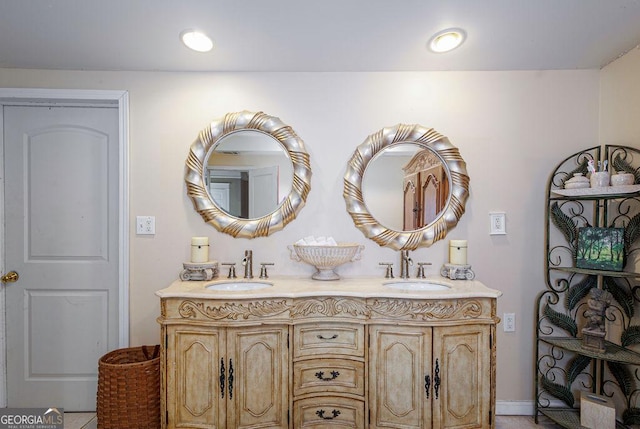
(335, 413)
(222, 377)
(436, 379)
(427, 384)
(320, 375)
(333, 337)
(230, 379)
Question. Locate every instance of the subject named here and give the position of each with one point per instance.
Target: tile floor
(80, 421)
(523, 422)
(88, 421)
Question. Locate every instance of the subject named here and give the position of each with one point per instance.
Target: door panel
(260, 361)
(220, 194)
(61, 235)
(263, 191)
(62, 308)
(400, 358)
(196, 390)
(411, 198)
(464, 355)
(66, 177)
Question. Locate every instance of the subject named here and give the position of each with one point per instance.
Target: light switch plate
(498, 225)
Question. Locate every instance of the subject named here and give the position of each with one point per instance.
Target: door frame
(80, 98)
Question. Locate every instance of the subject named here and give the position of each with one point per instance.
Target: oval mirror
(248, 174)
(406, 186)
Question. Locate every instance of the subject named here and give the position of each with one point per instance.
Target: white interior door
(263, 191)
(61, 235)
(220, 194)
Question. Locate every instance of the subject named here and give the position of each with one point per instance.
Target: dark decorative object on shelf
(582, 292)
(594, 332)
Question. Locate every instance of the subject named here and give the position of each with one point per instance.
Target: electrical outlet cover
(145, 225)
(498, 223)
(509, 322)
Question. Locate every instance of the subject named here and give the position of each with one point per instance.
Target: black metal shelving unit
(563, 367)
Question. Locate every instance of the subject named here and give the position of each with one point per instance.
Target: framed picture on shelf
(600, 249)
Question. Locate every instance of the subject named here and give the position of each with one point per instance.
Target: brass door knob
(10, 277)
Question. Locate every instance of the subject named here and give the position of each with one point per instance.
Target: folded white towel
(317, 241)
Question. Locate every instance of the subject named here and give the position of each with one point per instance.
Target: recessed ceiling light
(196, 40)
(447, 40)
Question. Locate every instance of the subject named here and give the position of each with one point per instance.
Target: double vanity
(350, 353)
(354, 353)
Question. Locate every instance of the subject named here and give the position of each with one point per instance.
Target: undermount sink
(416, 285)
(239, 285)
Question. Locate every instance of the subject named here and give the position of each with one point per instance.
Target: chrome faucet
(247, 262)
(405, 261)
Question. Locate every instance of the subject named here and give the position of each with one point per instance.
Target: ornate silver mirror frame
(206, 143)
(456, 171)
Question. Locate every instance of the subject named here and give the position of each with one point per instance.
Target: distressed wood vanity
(352, 353)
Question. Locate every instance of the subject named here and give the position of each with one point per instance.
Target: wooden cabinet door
(411, 195)
(400, 359)
(463, 355)
(258, 377)
(430, 191)
(194, 399)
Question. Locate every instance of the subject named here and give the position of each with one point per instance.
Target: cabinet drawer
(328, 412)
(329, 338)
(328, 375)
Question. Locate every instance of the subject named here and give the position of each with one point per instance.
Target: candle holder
(198, 271)
(457, 272)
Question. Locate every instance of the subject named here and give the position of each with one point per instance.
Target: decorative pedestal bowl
(326, 258)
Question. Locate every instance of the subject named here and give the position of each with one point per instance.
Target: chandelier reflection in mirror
(406, 186)
(227, 137)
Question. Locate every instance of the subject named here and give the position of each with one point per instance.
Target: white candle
(199, 249)
(458, 252)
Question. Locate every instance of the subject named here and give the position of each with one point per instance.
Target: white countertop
(359, 287)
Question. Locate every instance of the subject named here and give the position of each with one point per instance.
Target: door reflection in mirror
(405, 187)
(248, 174)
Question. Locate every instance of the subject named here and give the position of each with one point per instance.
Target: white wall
(620, 101)
(511, 128)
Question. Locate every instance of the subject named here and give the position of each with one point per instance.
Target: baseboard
(522, 408)
(514, 408)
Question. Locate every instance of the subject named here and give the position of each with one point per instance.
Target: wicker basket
(129, 389)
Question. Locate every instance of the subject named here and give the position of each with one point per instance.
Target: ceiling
(318, 35)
